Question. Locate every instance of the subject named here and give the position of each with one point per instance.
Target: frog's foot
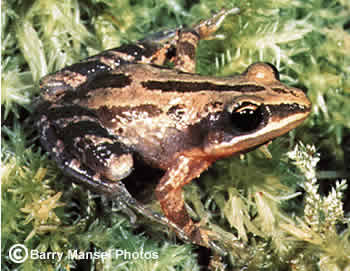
(206, 28)
(159, 218)
(197, 235)
(207, 238)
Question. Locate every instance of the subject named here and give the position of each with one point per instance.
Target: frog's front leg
(84, 150)
(169, 194)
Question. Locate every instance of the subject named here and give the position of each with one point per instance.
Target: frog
(144, 100)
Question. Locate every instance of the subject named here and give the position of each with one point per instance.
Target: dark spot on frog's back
(177, 111)
(101, 81)
(108, 80)
(110, 115)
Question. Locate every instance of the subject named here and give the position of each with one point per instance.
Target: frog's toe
(119, 206)
(209, 239)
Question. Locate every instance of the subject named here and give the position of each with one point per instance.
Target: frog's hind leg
(85, 151)
(156, 49)
(188, 39)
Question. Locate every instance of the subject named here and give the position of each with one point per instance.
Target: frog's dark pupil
(247, 120)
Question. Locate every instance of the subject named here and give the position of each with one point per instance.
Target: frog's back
(152, 122)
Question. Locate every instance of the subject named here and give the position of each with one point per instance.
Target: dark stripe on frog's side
(97, 72)
(108, 114)
(176, 112)
(63, 83)
(103, 80)
(68, 112)
(83, 128)
(197, 86)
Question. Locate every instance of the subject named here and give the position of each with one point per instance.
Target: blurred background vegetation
(286, 208)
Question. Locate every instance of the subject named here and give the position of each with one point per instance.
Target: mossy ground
(281, 213)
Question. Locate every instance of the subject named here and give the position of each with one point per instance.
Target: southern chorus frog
(97, 116)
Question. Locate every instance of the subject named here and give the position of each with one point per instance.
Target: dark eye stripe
(284, 110)
(197, 86)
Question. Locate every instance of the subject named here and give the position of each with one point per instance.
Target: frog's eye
(246, 117)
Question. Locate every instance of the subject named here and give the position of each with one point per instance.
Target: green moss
(250, 204)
